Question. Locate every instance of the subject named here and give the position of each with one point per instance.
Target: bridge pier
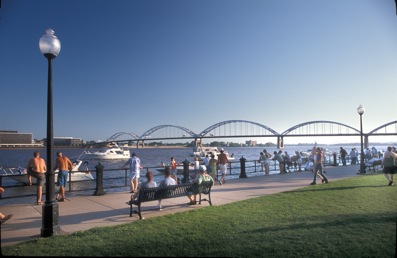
(196, 144)
(140, 144)
(280, 142)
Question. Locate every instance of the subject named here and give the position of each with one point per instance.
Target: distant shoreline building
(65, 142)
(14, 139)
(251, 143)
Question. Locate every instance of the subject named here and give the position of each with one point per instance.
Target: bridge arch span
(375, 131)
(119, 134)
(241, 122)
(147, 134)
(328, 128)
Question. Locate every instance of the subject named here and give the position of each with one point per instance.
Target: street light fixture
(50, 47)
(360, 111)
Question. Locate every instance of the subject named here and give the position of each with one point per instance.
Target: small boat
(308, 153)
(305, 154)
(201, 153)
(15, 173)
(113, 152)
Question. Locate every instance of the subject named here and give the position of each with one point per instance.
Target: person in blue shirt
(135, 171)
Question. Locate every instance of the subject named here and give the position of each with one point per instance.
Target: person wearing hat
(202, 177)
(135, 171)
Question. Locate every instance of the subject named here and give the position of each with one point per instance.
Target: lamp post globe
(360, 111)
(50, 46)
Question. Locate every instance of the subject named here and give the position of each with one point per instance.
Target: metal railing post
(99, 180)
(242, 169)
(185, 171)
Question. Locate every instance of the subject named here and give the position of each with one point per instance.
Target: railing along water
(119, 177)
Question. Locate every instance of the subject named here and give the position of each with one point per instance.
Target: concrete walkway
(79, 213)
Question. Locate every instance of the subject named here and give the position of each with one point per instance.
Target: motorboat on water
(16, 172)
(308, 153)
(201, 153)
(112, 152)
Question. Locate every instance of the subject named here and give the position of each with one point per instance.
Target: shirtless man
(64, 165)
(222, 163)
(36, 168)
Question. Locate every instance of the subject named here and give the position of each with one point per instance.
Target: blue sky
(132, 65)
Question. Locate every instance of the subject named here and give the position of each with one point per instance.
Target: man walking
(135, 171)
(319, 167)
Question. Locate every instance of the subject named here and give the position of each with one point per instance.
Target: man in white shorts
(135, 171)
(222, 163)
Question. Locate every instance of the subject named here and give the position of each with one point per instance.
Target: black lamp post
(360, 111)
(50, 47)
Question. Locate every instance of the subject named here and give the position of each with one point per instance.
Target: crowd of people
(206, 170)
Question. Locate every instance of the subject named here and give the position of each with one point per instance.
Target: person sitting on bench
(148, 184)
(168, 180)
(202, 177)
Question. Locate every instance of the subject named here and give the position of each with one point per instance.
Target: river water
(152, 157)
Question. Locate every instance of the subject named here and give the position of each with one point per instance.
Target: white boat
(201, 153)
(15, 173)
(112, 153)
(308, 153)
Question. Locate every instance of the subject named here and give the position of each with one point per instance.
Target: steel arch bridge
(149, 132)
(318, 128)
(244, 128)
(115, 136)
(376, 131)
(238, 128)
(327, 128)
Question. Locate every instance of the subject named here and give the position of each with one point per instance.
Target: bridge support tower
(366, 142)
(196, 144)
(280, 142)
(140, 144)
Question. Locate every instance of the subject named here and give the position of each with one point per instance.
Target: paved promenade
(82, 212)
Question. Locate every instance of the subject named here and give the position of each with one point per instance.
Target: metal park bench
(373, 165)
(168, 192)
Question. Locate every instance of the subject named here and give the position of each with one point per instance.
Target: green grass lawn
(354, 217)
